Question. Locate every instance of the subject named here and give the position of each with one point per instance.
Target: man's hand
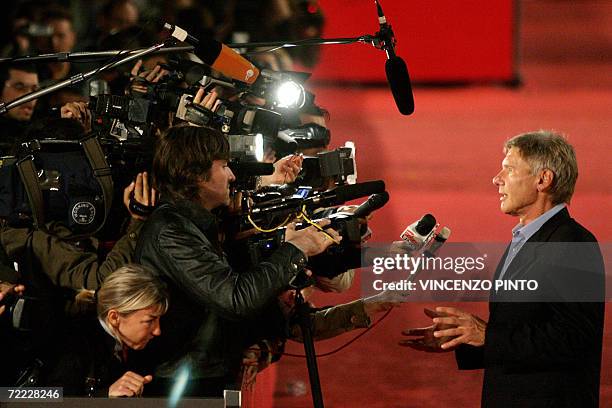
(424, 339)
(7, 289)
(466, 328)
(129, 385)
(312, 241)
(143, 194)
(78, 111)
(140, 80)
(207, 100)
(286, 171)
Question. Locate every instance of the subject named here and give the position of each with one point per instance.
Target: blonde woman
(96, 357)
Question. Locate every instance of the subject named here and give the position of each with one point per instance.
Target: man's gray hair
(549, 150)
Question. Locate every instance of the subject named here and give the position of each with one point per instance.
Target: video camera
(302, 203)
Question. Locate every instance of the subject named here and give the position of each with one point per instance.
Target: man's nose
(497, 179)
(231, 175)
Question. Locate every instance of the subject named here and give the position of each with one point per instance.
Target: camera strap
(101, 171)
(29, 178)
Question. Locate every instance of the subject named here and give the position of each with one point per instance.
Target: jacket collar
(550, 226)
(203, 219)
(200, 216)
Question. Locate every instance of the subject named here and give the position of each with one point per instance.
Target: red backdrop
(441, 40)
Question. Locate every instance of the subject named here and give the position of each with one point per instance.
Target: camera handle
(303, 313)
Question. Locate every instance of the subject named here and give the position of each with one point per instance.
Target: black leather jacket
(215, 312)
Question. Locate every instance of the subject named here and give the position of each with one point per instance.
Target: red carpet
(441, 160)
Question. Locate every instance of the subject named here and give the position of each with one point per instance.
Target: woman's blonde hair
(129, 289)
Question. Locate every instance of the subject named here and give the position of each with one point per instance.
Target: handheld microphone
(420, 232)
(395, 67)
(218, 56)
(437, 242)
(373, 203)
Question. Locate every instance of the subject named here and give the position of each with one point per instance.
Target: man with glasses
(16, 81)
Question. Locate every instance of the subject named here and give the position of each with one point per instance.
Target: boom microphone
(373, 203)
(395, 67)
(218, 55)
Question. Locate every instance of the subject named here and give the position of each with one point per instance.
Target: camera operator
(212, 303)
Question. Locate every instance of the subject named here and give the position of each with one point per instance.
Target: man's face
(123, 16)
(18, 84)
(138, 328)
(64, 37)
(215, 191)
(516, 185)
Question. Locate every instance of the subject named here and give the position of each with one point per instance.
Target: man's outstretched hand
(423, 338)
(451, 327)
(465, 328)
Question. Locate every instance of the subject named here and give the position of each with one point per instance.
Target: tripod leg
(311, 357)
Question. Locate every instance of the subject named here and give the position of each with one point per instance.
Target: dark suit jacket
(545, 351)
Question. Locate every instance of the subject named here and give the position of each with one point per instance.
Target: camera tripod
(303, 313)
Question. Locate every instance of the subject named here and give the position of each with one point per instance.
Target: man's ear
(545, 181)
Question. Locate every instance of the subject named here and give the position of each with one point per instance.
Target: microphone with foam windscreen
(218, 56)
(399, 82)
(373, 203)
(395, 67)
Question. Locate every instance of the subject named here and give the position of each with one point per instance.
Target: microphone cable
(345, 345)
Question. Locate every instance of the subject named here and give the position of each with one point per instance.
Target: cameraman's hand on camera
(140, 80)
(312, 241)
(6, 289)
(143, 194)
(208, 100)
(78, 111)
(286, 170)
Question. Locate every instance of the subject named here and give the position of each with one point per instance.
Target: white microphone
(419, 233)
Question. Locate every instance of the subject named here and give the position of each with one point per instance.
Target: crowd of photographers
(219, 219)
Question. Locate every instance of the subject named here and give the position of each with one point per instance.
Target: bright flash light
(259, 147)
(290, 94)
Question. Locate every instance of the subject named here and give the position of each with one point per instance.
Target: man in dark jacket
(543, 349)
(215, 312)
